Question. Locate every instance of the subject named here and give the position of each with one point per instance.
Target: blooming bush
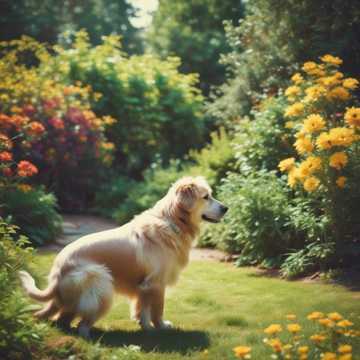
(333, 339)
(326, 127)
(47, 128)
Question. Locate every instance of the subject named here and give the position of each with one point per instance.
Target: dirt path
(75, 226)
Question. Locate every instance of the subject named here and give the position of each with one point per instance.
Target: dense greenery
(194, 31)
(47, 20)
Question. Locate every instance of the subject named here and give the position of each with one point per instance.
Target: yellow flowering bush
(325, 125)
(47, 127)
(333, 338)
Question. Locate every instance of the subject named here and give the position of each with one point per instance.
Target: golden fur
(139, 259)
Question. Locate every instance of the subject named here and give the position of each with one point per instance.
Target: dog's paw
(166, 324)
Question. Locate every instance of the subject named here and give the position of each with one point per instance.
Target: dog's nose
(224, 209)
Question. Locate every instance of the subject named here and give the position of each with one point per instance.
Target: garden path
(75, 226)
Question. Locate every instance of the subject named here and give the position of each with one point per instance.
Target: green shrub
(157, 109)
(34, 212)
(18, 334)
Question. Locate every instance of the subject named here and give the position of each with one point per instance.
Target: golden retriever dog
(139, 259)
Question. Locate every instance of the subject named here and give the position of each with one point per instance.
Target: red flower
(7, 172)
(5, 156)
(26, 168)
(36, 128)
(57, 123)
(28, 109)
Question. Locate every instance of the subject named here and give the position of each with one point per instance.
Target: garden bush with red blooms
(47, 129)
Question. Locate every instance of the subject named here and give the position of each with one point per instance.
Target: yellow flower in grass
(350, 83)
(352, 116)
(338, 160)
(345, 349)
(297, 78)
(345, 357)
(333, 60)
(289, 124)
(318, 338)
(242, 351)
(340, 182)
(335, 316)
(292, 91)
(323, 142)
(315, 315)
(291, 317)
(311, 183)
(294, 328)
(313, 123)
(273, 329)
(338, 93)
(342, 136)
(326, 322)
(345, 323)
(275, 344)
(287, 164)
(328, 356)
(303, 145)
(24, 188)
(303, 350)
(294, 110)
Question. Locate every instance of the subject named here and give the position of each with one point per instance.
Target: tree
(45, 20)
(194, 31)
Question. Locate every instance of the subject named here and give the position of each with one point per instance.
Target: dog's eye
(206, 197)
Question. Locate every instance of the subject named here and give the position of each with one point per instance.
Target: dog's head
(194, 195)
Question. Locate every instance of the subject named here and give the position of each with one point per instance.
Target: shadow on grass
(175, 340)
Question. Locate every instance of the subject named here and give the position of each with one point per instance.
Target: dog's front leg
(157, 308)
(142, 309)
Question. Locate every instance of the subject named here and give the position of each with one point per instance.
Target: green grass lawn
(215, 307)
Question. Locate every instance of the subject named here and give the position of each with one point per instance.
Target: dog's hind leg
(64, 319)
(47, 311)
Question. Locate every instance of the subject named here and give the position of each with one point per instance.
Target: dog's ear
(186, 194)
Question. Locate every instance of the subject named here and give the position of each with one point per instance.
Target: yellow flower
(318, 338)
(303, 145)
(310, 165)
(338, 93)
(108, 120)
(303, 349)
(289, 124)
(326, 322)
(333, 60)
(311, 183)
(242, 351)
(350, 83)
(345, 357)
(315, 315)
(313, 93)
(328, 356)
(313, 123)
(335, 316)
(344, 349)
(291, 317)
(338, 160)
(340, 182)
(275, 344)
(312, 68)
(294, 110)
(24, 188)
(273, 329)
(352, 116)
(292, 177)
(323, 142)
(297, 78)
(294, 328)
(292, 91)
(342, 136)
(287, 164)
(344, 323)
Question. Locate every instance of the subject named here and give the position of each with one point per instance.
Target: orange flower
(5, 142)
(26, 168)
(5, 156)
(57, 123)
(36, 128)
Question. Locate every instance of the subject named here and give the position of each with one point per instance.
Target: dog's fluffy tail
(33, 291)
